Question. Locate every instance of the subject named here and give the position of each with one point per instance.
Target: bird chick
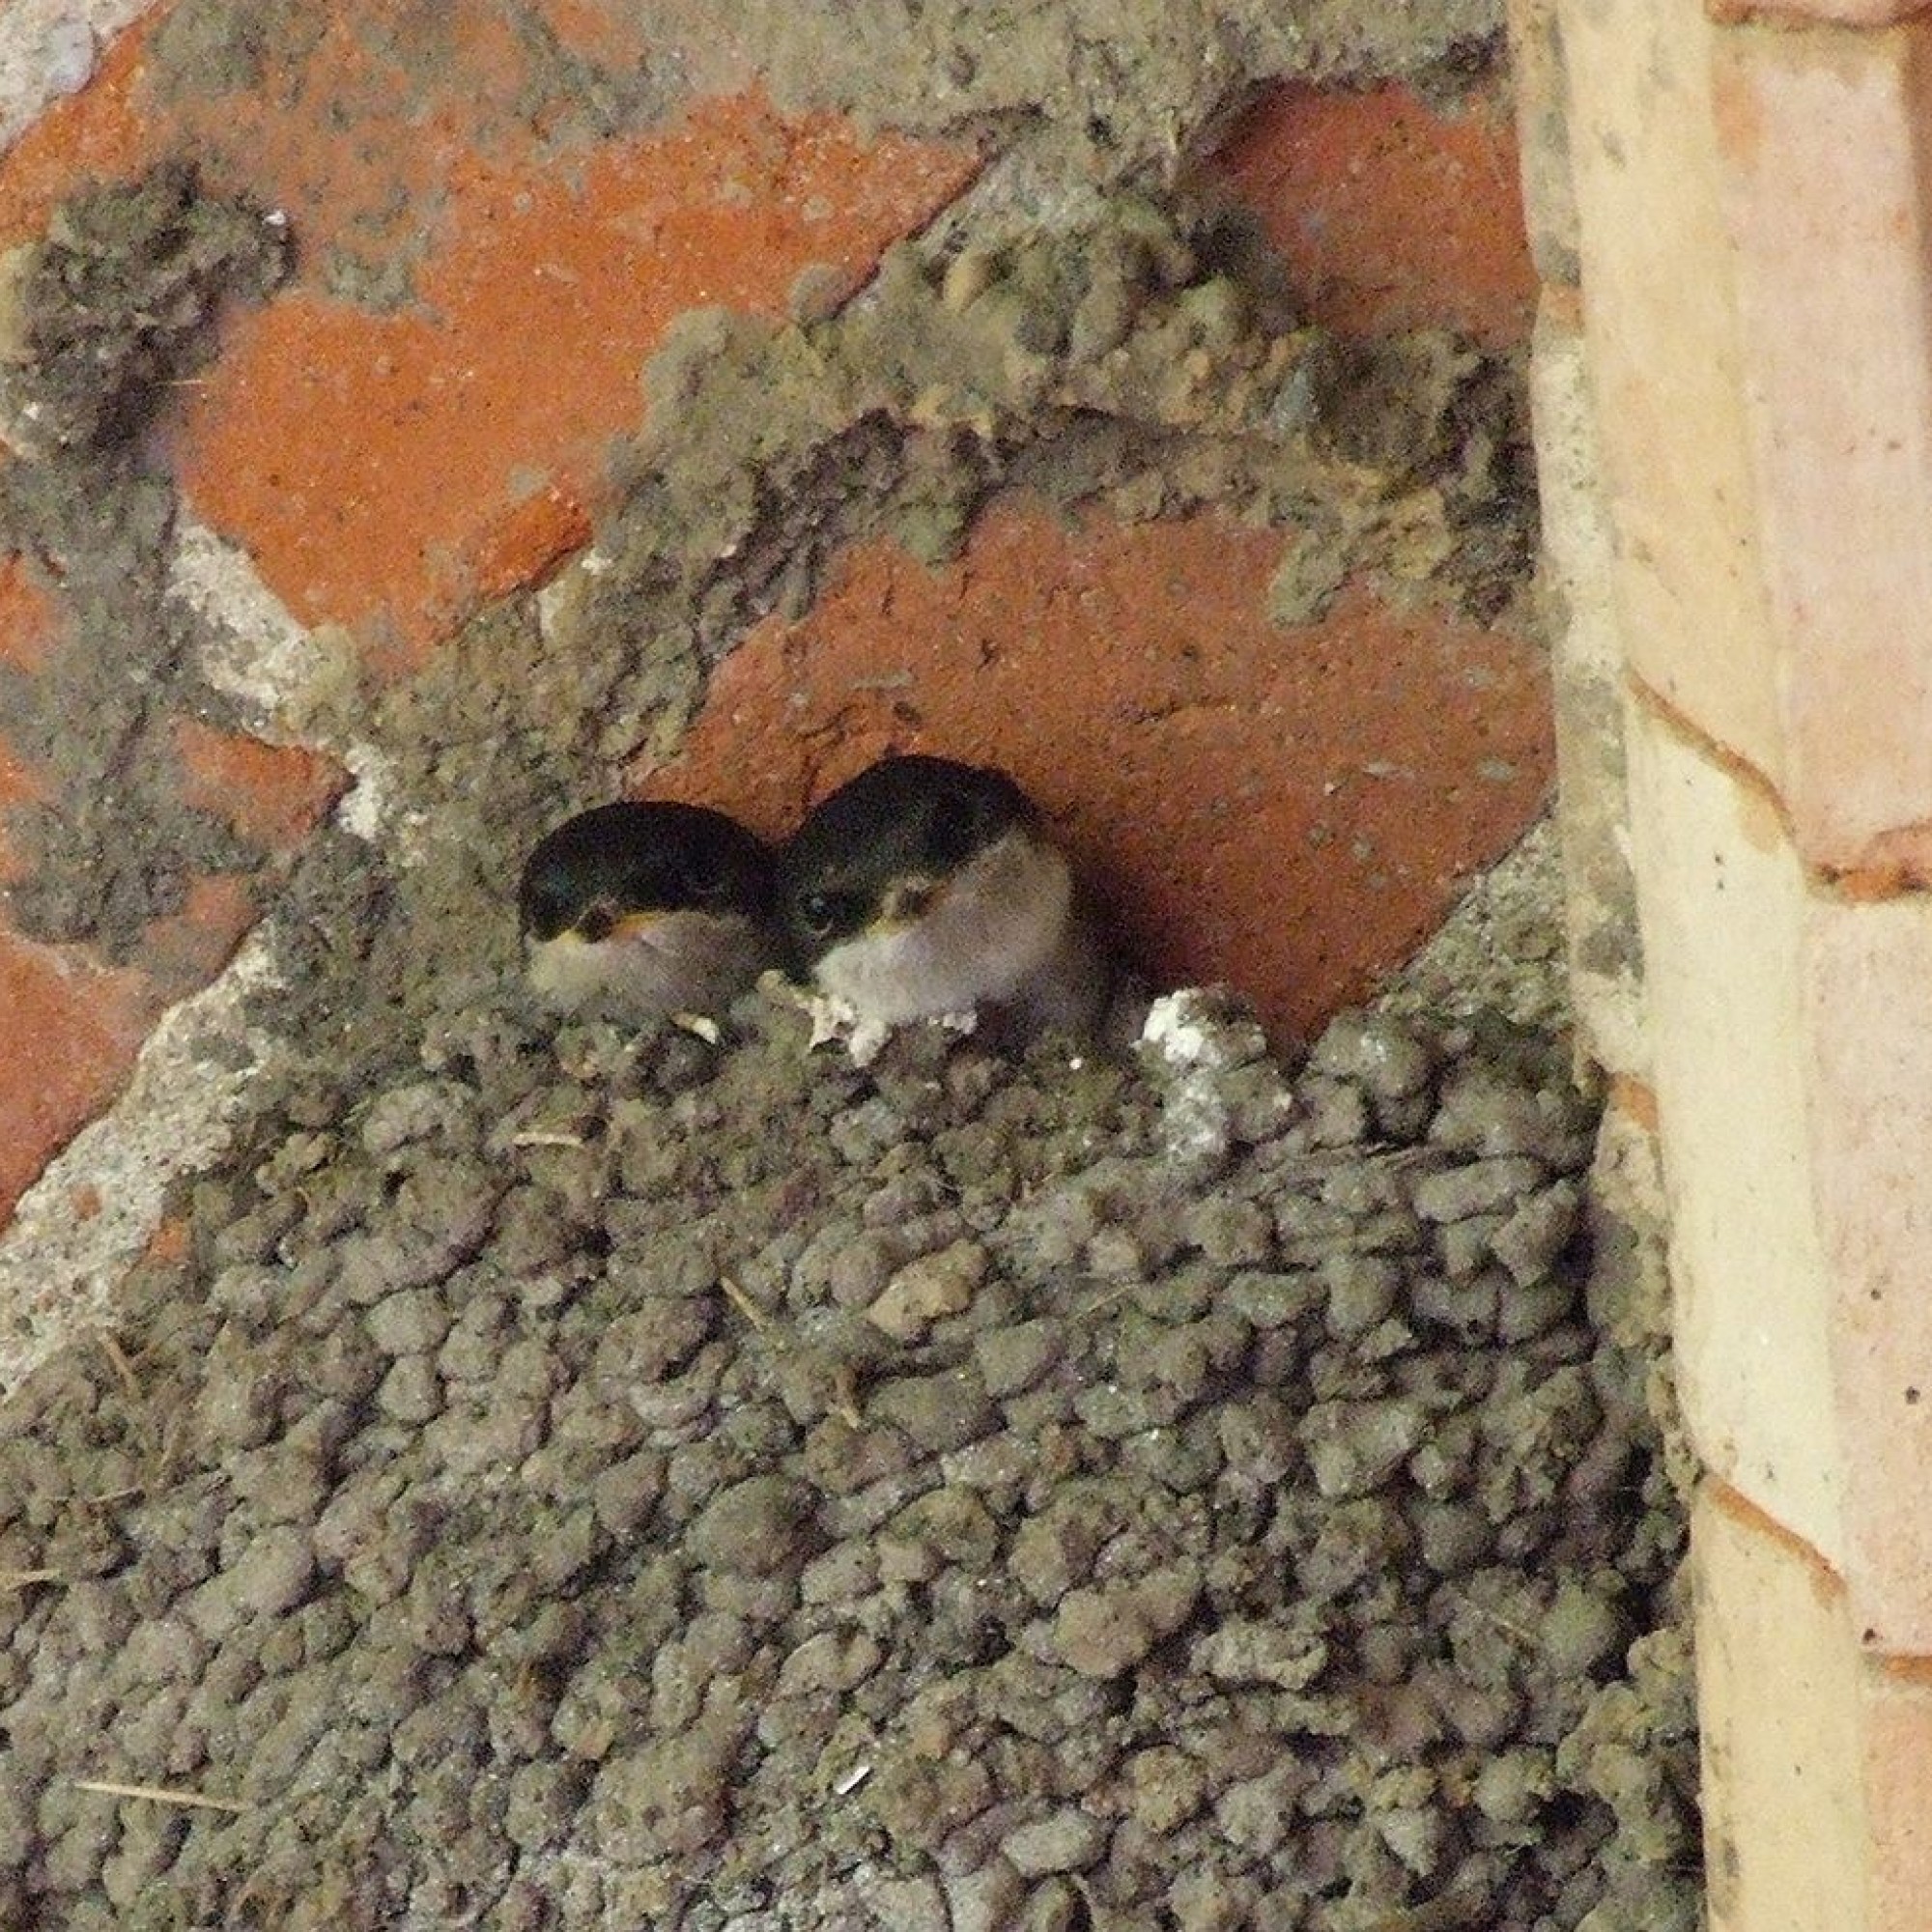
(928, 887)
(638, 909)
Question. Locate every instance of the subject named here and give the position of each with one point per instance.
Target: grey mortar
(116, 303)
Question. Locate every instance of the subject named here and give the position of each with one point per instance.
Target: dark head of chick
(646, 907)
(928, 886)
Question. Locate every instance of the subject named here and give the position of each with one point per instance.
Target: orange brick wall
(1290, 808)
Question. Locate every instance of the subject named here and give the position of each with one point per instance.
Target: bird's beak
(635, 925)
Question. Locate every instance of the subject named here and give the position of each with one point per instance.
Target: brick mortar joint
(1754, 1519)
(1872, 882)
(1797, 18)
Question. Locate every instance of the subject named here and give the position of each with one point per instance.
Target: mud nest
(597, 1479)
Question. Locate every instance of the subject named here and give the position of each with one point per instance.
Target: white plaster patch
(277, 669)
(366, 811)
(258, 653)
(57, 1269)
(48, 49)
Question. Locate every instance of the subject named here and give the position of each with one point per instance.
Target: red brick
(380, 468)
(599, 30)
(19, 784)
(351, 137)
(27, 623)
(392, 470)
(182, 953)
(1292, 810)
(73, 1031)
(101, 133)
(355, 136)
(28, 617)
(271, 795)
(1388, 214)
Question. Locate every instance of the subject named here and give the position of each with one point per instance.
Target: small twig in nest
(161, 1794)
(1102, 1303)
(19, 1580)
(743, 1304)
(122, 1367)
(844, 1403)
(1454, 1912)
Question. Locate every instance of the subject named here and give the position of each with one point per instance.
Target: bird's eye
(599, 921)
(953, 828)
(820, 912)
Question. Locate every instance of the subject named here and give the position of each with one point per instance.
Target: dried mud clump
(587, 1479)
(1136, 355)
(106, 314)
(114, 304)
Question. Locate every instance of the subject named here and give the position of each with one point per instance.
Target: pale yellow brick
(1868, 1016)
(1665, 367)
(1778, 1680)
(1823, 138)
(1723, 902)
(1897, 1725)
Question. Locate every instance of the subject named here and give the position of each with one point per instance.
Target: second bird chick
(925, 886)
(639, 908)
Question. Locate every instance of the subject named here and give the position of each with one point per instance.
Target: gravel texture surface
(593, 1479)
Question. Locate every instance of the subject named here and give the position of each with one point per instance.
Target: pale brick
(1841, 12)
(1897, 1723)
(1868, 1013)
(1778, 1682)
(1723, 901)
(1665, 366)
(1823, 138)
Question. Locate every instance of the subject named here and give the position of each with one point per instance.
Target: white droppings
(565, 588)
(1195, 1032)
(835, 1018)
(1172, 1025)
